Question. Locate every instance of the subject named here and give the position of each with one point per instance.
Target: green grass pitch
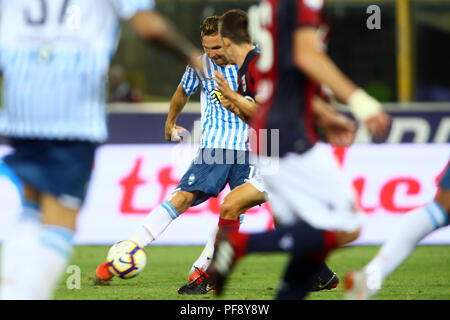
(424, 276)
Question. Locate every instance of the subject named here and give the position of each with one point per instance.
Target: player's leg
(298, 277)
(162, 216)
(244, 195)
(412, 228)
(303, 270)
(53, 248)
(235, 172)
(19, 239)
(236, 203)
(322, 207)
(154, 225)
(192, 190)
(247, 191)
(40, 164)
(200, 182)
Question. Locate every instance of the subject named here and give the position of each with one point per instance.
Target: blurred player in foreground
(413, 227)
(223, 156)
(55, 57)
(310, 197)
(239, 49)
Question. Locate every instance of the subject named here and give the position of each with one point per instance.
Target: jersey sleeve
(126, 9)
(252, 78)
(309, 12)
(190, 81)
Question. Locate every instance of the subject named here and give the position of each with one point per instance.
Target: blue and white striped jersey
(220, 127)
(54, 55)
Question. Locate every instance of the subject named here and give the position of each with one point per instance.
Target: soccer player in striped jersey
(223, 154)
(54, 55)
(238, 48)
(413, 227)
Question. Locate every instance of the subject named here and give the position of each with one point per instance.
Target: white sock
(16, 249)
(412, 228)
(155, 223)
(205, 257)
(51, 251)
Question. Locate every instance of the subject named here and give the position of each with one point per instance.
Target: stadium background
(404, 64)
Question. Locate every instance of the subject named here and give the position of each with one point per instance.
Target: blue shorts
(445, 180)
(212, 169)
(60, 168)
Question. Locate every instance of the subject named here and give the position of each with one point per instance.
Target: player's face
(213, 48)
(228, 52)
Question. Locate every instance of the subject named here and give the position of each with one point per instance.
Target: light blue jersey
(55, 55)
(220, 127)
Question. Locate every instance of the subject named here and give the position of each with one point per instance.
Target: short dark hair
(234, 25)
(210, 26)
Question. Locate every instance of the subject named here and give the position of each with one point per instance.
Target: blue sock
(299, 239)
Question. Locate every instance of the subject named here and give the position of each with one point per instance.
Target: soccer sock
(16, 249)
(155, 223)
(53, 250)
(232, 225)
(299, 238)
(412, 228)
(205, 257)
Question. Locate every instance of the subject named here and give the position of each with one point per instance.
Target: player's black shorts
(212, 169)
(61, 168)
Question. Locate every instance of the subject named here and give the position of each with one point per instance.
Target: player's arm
(155, 27)
(316, 64)
(179, 99)
(244, 107)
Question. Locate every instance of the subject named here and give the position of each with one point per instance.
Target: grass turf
(424, 276)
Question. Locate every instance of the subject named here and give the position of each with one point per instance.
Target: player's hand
(222, 84)
(339, 130)
(230, 106)
(378, 125)
(227, 103)
(174, 132)
(368, 111)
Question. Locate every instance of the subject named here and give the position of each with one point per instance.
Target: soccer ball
(126, 259)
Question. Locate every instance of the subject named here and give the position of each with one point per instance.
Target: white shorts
(258, 182)
(312, 187)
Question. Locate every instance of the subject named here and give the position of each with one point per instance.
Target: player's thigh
(54, 212)
(240, 199)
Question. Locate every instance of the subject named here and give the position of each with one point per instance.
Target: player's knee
(57, 213)
(229, 209)
(182, 200)
(344, 237)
